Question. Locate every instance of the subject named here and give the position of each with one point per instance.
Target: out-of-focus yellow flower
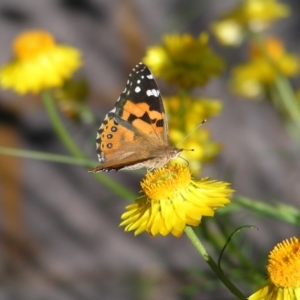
(184, 60)
(253, 79)
(39, 63)
(204, 149)
(258, 14)
(228, 32)
(248, 16)
(186, 114)
(173, 200)
(283, 272)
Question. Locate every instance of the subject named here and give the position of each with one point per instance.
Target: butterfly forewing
(140, 103)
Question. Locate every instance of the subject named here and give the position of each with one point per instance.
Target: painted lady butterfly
(134, 134)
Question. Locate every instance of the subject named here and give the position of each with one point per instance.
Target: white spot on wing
(138, 82)
(155, 93)
(137, 89)
(150, 76)
(113, 110)
(149, 93)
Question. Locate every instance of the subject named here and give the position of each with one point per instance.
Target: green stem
(45, 156)
(276, 210)
(59, 127)
(202, 251)
(289, 99)
(73, 149)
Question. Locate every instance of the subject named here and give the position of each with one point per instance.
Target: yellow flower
(39, 63)
(204, 149)
(186, 113)
(228, 32)
(283, 272)
(248, 16)
(258, 14)
(184, 60)
(173, 200)
(254, 78)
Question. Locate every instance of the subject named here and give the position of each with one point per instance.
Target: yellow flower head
(258, 14)
(228, 32)
(248, 16)
(204, 148)
(283, 272)
(251, 79)
(39, 63)
(186, 113)
(184, 60)
(172, 200)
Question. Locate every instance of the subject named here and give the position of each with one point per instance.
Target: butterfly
(134, 134)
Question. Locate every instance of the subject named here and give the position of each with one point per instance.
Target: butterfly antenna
(191, 133)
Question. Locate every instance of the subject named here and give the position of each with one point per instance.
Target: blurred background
(60, 236)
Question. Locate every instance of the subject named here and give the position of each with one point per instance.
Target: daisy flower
(254, 78)
(283, 272)
(184, 60)
(248, 16)
(186, 113)
(172, 200)
(39, 63)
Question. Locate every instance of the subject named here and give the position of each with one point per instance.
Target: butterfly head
(174, 152)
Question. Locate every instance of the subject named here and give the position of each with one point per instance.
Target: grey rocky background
(74, 248)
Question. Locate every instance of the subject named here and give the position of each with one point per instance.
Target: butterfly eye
(109, 136)
(109, 145)
(114, 129)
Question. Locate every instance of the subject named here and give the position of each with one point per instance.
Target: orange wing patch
(136, 109)
(146, 127)
(141, 117)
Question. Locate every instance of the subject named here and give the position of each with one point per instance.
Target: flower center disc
(284, 264)
(31, 44)
(165, 182)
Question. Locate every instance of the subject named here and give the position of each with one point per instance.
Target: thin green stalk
(286, 101)
(45, 156)
(289, 99)
(238, 255)
(58, 126)
(67, 141)
(279, 211)
(202, 251)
